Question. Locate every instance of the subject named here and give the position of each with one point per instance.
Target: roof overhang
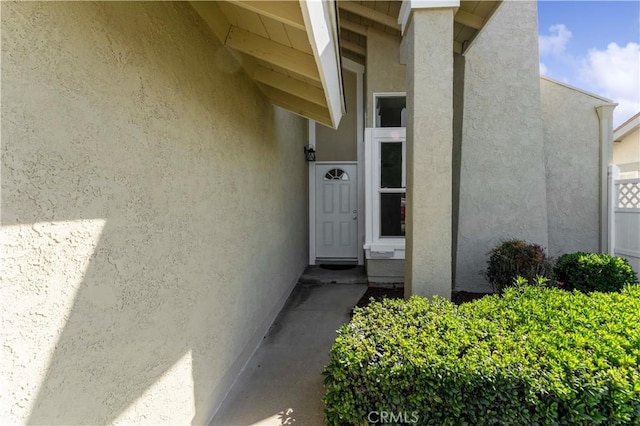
(289, 48)
(470, 17)
(627, 127)
(392, 16)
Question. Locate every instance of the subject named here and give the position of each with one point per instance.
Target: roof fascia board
(626, 128)
(321, 22)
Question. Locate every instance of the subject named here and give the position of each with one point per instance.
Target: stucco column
(605, 114)
(429, 41)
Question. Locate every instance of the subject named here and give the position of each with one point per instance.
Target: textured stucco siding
(153, 214)
(384, 73)
(502, 175)
(340, 144)
(572, 152)
(385, 270)
(429, 153)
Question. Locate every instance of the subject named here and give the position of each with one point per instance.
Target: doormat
(337, 267)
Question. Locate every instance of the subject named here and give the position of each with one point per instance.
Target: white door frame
(359, 71)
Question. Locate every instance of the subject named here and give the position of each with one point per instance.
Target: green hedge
(534, 356)
(593, 272)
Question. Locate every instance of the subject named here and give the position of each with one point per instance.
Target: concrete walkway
(282, 383)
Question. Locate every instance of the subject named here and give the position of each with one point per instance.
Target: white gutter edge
(626, 128)
(321, 23)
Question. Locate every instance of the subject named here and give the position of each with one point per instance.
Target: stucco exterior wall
(385, 271)
(572, 152)
(153, 214)
(502, 174)
(626, 155)
(340, 144)
(429, 153)
(383, 73)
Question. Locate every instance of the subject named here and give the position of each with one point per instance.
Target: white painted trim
(312, 213)
(612, 190)
(368, 184)
(352, 66)
(358, 69)
(312, 197)
(378, 252)
(383, 95)
(324, 163)
(322, 30)
(408, 6)
(627, 180)
(386, 247)
(627, 127)
(630, 253)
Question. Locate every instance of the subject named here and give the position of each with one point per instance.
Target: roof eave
(321, 23)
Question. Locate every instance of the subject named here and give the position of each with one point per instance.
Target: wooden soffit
(289, 48)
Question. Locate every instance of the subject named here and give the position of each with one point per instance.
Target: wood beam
(290, 85)
(371, 14)
(213, 16)
(210, 12)
(297, 105)
(353, 47)
(286, 12)
(468, 19)
(272, 52)
(353, 27)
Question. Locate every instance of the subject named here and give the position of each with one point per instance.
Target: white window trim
(377, 247)
(377, 95)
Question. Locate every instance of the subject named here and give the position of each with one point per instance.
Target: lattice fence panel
(629, 195)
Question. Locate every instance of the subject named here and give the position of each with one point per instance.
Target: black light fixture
(310, 153)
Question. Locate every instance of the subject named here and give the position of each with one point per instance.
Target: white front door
(336, 212)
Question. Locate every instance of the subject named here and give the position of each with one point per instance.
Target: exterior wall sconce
(310, 153)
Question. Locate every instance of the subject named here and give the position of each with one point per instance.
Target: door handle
(355, 216)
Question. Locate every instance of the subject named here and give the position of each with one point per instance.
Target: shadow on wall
(120, 117)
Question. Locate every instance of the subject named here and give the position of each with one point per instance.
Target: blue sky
(595, 46)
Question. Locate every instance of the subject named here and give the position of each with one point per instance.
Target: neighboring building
(626, 148)
(157, 209)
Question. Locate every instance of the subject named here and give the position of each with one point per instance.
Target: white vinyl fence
(624, 208)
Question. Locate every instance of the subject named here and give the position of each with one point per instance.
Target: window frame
(376, 245)
(376, 96)
(380, 190)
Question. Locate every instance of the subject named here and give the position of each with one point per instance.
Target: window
(385, 186)
(391, 188)
(391, 109)
(336, 174)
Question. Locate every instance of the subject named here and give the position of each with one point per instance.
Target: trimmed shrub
(533, 356)
(514, 258)
(593, 272)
